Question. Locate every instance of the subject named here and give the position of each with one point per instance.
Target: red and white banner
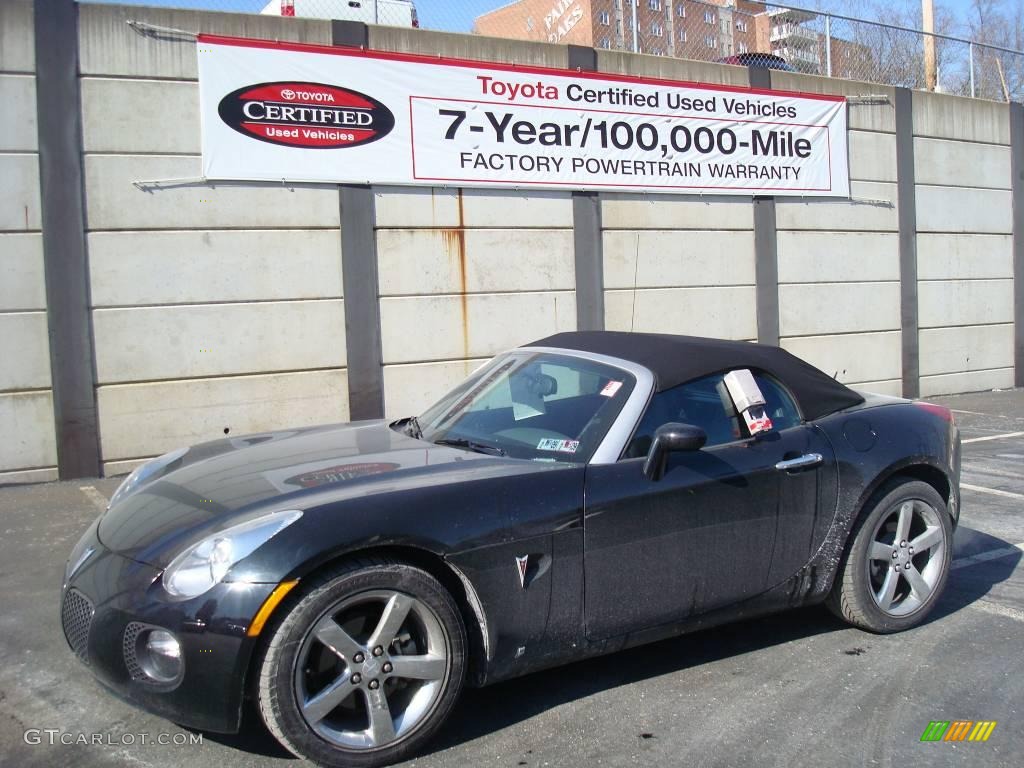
(291, 112)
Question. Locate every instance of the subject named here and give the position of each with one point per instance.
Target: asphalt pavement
(794, 689)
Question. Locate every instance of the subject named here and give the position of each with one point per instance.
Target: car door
(721, 525)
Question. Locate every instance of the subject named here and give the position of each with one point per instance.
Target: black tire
(292, 640)
(860, 589)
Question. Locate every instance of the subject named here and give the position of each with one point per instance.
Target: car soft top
(677, 359)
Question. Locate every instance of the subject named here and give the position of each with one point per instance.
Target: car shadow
(481, 711)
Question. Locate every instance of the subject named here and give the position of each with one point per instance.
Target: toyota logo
(288, 94)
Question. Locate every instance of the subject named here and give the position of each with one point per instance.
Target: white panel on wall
(423, 328)
(839, 215)
(24, 350)
(26, 422)
(825, 308)
(852, 357)
(961, 163)
(817, 257)
(131, 116)
(958, 209)
(727, 313)
(198, 266)
(525, 208)
(963, 257)
(663, 258)
(22, 284)
(957, 117)
(621, 211)
(965, 302)
(19, 192)
(967, 348)
(18, 131)
(17, 36)
(416, 207)
(114, 203)
(180, 413)
(970, 381)
(217, 339)
(872, 156)
(429, 261)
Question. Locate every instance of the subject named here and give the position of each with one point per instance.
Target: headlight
(205, 564)
(143, 473)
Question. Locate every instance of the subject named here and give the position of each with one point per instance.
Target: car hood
(217, 484)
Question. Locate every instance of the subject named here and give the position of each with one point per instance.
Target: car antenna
(636, 271)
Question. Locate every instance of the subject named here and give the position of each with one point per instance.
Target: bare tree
(998, 74)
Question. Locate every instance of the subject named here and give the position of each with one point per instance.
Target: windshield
(530, 405)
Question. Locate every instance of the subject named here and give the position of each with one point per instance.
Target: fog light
(160, 658)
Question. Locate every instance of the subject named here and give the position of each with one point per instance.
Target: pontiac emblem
(522, 562)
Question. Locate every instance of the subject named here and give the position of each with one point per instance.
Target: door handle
(807, 461)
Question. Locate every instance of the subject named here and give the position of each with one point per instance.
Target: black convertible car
(577, 496)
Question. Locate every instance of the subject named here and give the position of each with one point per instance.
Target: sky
(458, 15)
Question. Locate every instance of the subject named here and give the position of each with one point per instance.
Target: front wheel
(897, 566)
(364, 667)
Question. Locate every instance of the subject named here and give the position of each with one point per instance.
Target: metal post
(970, 51)
(636, 30)
(828, 45)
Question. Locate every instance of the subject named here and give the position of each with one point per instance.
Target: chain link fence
(731, 31)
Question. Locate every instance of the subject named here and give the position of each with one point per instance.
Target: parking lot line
(992, 437)
(993, 491)
(990, 606)
(984, 557)
(97, 498)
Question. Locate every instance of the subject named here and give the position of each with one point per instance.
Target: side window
(778, 403)
(704, 403)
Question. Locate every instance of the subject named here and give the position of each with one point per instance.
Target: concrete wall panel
(961, 164)
(872, 117)
(18, 131)
(661, 258)
(833, 257)
(114, 203)
(474, 47)
(952, 209)
(187, 267)
(666, 68)
(842, 215)
(26, 423)
(217, 339)
(424, 328)
(621, 211)
(17, 36)
(728, 313)
(19, 192)
(943, 116)
(180, 413)
(110, 47)
(969, 381)
(965, 302)
(24, 350)
(22, 283)
(969, 348)
(418, 262)
(131, 116)
(827, 308)
(416, 207)
(872, 156)
(500, 208)
(851, 357)
(963, 257)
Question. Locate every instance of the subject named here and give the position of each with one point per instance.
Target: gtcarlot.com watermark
(55, 736)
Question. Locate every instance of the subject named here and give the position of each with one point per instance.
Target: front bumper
(109, 592)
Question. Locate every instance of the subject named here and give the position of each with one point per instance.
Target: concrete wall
(28, 449)
(221, 309)
(214, 310)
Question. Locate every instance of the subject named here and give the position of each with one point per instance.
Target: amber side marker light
(275, 597)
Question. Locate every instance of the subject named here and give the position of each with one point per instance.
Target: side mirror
(669, 438)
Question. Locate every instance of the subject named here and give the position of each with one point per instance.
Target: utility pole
(928, 22)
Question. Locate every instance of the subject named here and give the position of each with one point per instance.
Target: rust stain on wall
(455, 245)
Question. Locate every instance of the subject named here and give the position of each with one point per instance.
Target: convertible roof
(678, 359)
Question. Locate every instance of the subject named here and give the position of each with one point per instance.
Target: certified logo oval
(307, 115)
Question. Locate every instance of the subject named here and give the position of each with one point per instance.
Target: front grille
(128, 645)
(76, 617)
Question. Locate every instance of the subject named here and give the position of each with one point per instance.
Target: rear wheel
(897, 565)
(365, 666)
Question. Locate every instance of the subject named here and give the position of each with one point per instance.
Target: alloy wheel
(906, 557)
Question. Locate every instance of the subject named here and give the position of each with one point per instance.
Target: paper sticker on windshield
(561, 446)
(611, 388)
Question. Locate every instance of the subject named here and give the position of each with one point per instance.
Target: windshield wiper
(461, 442)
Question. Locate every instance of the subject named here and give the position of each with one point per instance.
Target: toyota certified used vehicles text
(580, 495)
